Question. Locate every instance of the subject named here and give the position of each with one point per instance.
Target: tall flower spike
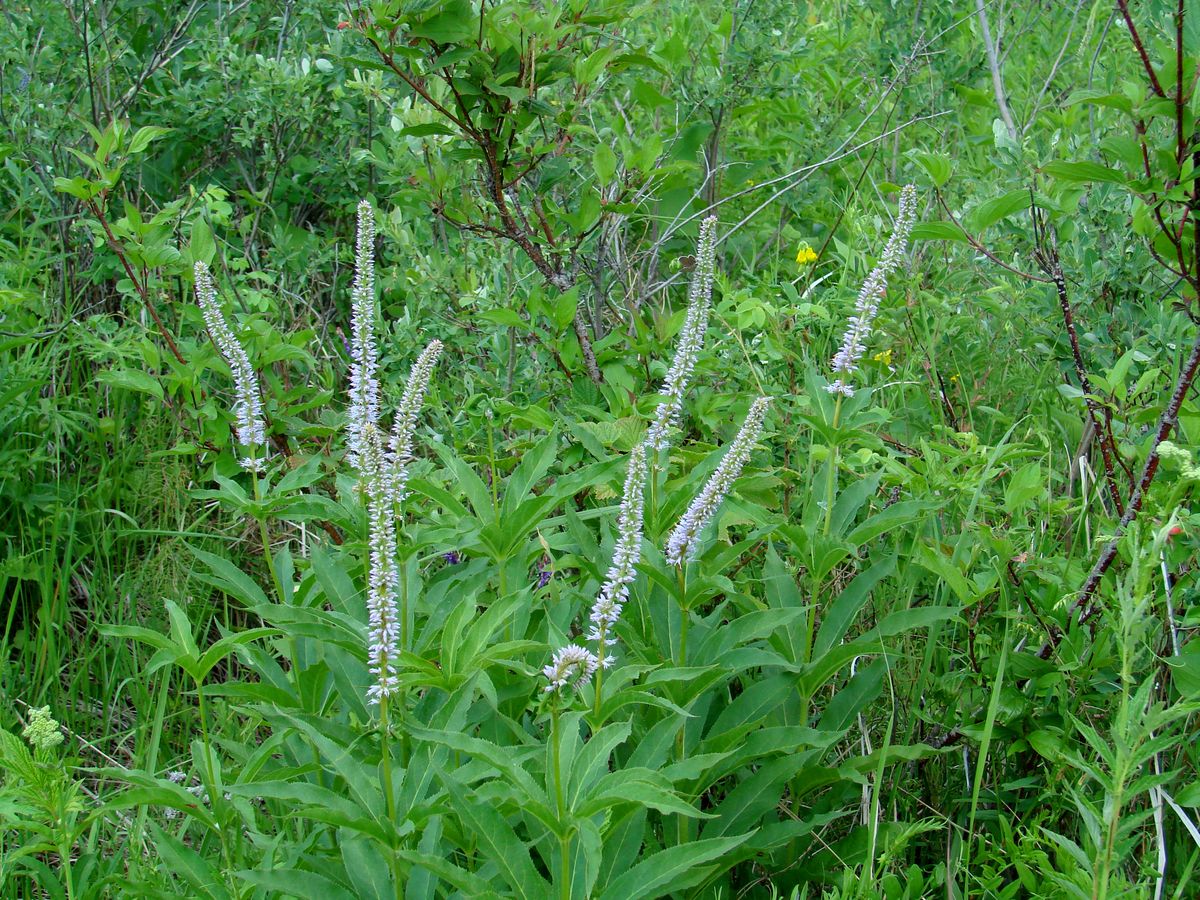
(691, 339)
(405, 423)
(364, 351)
(570, 665)
(247, 407)
(626, 555)
(383, 625)
(845, 361)
(682, 542)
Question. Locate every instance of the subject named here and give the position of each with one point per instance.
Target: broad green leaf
(147, 134)
(131, 380)
(845, 608)
(367, 867)
(990, 212)
(938, 231)
(1082, 172)
(225, 575)
(497, 840)
(203, 247)
(468, 882)
(670, 870)
(604, 163)
(303, 884)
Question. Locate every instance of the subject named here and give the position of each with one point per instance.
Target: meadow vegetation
(599, 449)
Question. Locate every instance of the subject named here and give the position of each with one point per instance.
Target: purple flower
(543, 579)
(452, 557)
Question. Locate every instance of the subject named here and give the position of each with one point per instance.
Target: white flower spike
(845, 361)
(364, 364)
(691, 339)
(682, 542)
(626, 555)
(247, 407)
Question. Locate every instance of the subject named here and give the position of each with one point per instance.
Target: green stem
(564, 838)
(404, 604)
(681, 575)
(164, 684)
(599, 679)
(831, 484)
(388, 792)
(64, 858)
(681, 737)
(265, 536)
(654, 459)
(492, 469)
(401, 705)
(212, 784)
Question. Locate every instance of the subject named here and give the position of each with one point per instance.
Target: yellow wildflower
(806, 255)
(885, 357)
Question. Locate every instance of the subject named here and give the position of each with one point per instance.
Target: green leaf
(1026, 484)
(367, 868)
(535, 463)
(497, 840)
(937, 165)
(604, 163)
(229, 578)
(80, 188)
(1101, 98)
(131, 380)
(502, 758)
(845, 608)
(428, 129)
(1083, 172)
(670, 870)
(187, 864)
(633, 786)
(884, 521)
(938, 231)
(468, 882)
(301, 883)
(509, 318)
(146, 135)
(203, 247)
(990, 212)
(455, 23)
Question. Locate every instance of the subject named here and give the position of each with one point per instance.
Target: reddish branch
(515, 226)
(1141, 48)
(1084, 605)
(138, 284)
(1108, 447)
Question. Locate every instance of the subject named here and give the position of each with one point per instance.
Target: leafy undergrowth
(750, 525)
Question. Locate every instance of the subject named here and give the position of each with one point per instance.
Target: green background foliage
(887, 674)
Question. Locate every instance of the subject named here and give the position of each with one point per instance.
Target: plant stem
(831, 484)
(599, 679)
(64, 859)
(681, 577)
(388, 793)
(404, 637)
(264, 534)
(564, 838)
(212, 782)
(681, 737)
(492, 469)
(654, 458)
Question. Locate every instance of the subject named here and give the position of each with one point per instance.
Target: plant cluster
(381, 516)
